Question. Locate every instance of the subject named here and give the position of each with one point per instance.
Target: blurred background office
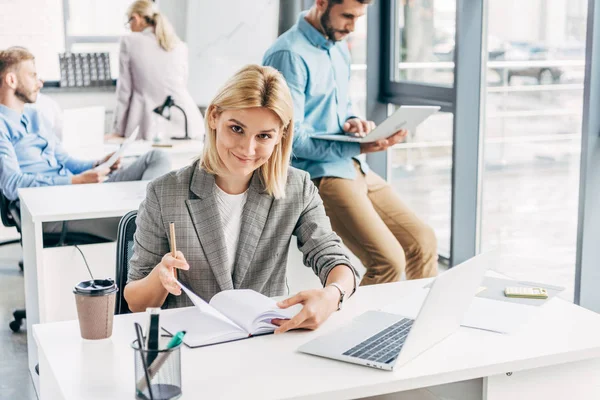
(531, 106)
(503, 166)
(153, 64)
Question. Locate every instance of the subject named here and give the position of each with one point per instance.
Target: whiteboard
(38, 26)
(223, 39)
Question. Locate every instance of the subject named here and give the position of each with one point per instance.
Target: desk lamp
(166, 106)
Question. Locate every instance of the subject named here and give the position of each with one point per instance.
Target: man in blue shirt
(364, 210)
(31, 155)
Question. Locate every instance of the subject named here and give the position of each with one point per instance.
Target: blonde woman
(236, 210)
(153, 64)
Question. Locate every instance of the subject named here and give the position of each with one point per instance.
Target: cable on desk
(86, 263)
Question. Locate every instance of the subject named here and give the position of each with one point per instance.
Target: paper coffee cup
(95, 302)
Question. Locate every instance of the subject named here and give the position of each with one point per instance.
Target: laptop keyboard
(384, 346)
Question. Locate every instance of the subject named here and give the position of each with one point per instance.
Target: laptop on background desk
(382, 340)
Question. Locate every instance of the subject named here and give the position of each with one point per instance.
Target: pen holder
(163, 373)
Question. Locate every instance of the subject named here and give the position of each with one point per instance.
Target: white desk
(181, 152)
(50, 274)
(555, 357)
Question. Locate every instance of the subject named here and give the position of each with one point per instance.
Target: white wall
(176, 13)
(75, 99)
(225, 36)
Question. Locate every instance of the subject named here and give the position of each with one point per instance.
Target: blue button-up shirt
(30, 153)
(317, 72)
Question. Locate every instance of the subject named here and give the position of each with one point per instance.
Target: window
(424, 36)
(96, 18)
(96, 26)
(36, 25)
(357, 43)
(421, 172)
(532, 135)
(422, 54)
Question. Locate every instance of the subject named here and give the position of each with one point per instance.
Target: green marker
(176, 340)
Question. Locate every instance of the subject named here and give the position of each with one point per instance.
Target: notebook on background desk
(405, 117)
(230, 315)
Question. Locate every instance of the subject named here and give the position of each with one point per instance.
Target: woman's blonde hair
(255, 86)
(166, 36)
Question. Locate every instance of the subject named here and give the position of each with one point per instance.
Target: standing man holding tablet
(364, 210)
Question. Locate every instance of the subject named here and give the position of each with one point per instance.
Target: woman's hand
(166, 270)
(318, 304)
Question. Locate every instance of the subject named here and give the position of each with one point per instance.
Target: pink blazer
(147, 75)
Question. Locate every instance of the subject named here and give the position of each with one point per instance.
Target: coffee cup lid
(97, 287)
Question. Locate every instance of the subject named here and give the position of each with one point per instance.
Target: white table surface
(139, 147)
(42, 267)
(70, 202)
(270, 367)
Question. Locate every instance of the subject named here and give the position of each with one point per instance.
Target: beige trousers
(379, 228)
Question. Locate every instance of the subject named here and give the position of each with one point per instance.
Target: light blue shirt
(31, 155)
(317, 72)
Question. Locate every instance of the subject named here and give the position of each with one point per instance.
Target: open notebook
(230, 315)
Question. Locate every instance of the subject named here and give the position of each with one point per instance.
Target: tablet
(405, 117)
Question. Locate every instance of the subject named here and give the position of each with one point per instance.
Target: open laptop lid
(445, 306)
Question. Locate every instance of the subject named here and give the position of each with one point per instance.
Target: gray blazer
(187, 198)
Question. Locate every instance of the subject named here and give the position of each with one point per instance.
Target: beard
(26, 96)
(326, 24)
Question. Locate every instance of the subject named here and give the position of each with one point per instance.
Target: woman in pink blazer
(153, 64)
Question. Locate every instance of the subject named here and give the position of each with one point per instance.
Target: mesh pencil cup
(161, 379)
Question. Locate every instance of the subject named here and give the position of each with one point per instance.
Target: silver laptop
(405, 117)
(382, 340)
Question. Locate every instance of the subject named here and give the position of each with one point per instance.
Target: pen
(173, 245)
(160, 360)
(139, 334)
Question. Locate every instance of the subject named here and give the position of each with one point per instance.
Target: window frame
(469, 61)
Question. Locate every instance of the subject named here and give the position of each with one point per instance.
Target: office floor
(15, 382)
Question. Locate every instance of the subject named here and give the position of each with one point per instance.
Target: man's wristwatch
(342, 295)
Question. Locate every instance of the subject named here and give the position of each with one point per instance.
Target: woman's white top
(147, 75)
(231, 207)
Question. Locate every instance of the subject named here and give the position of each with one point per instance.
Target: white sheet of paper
(108, 163)
(204, 307)
(486, 314)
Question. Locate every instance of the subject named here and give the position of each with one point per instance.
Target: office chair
(124, 252)
(11, 217)
(9, 222)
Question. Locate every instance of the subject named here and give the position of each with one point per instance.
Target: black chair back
(124, 253)
(5, 212)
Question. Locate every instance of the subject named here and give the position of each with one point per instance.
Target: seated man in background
(31, 155)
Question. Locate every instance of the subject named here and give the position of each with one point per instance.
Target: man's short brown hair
(11, 58)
